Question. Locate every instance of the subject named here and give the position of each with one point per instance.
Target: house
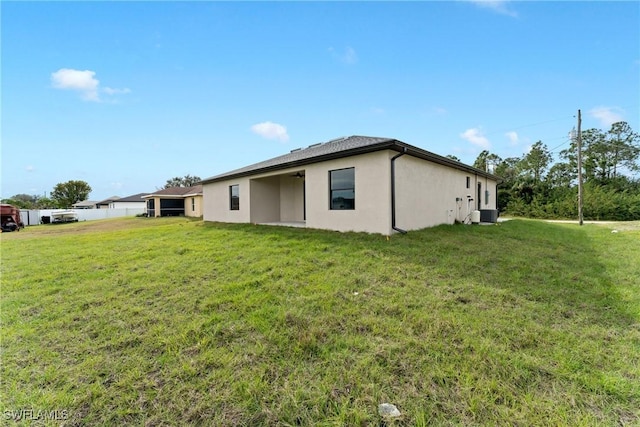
(356, 183)
(175, 201)
(133, 201)
(104, 204)
(85, 204)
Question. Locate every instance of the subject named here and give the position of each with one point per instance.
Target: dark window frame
(468, 182)
(347, 204)
(234, 199)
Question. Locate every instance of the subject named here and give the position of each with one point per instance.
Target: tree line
(534, 186)
(63, 196)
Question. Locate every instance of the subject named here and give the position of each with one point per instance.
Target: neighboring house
(134, 201)
(357, 183)
(104, 204)
(85, 204)
(175, 201)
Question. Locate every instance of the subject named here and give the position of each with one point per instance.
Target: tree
(452, 157)
(26, 201)
(67, 193)
(185, 181)
(625, 147)
(535, 187)
(509, 170)
(606, 154)
(487, 161)
(560, 176)
(535, 162)
(22, 201)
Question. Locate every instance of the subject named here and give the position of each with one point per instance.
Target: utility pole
(579, 168)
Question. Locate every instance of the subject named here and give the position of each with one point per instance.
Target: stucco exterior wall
(429, 194)
(216, 201)
(372, 195)
(264, 199)
(193, 206)
(292, 201)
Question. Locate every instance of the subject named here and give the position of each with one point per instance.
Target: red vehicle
(11, 220)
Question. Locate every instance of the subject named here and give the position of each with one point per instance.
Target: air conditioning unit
(489, 215)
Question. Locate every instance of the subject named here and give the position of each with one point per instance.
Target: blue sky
(127, 95)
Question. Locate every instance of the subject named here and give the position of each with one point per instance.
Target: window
(193, 204)
(468, 182)
(342, 188)
(234, 197)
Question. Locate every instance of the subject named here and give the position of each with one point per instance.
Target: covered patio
(278, 199)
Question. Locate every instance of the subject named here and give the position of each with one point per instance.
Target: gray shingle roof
(311, 154)
(337, 148)
(107, 201)
(177, 191)
(133, 198)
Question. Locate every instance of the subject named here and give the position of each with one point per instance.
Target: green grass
(175, 322)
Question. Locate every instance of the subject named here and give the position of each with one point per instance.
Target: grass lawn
(175, 322)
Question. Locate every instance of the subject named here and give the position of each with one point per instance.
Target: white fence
(34, 216)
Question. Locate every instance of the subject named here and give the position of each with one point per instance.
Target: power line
(530, 125)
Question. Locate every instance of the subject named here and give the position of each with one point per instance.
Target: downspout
(393, 191)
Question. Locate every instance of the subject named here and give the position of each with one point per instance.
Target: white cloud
(348, 56)
(271, 130)
(30, 168)
(499, 6)
(475, 137)
(607, 115)
(83, 82)
(513, 137)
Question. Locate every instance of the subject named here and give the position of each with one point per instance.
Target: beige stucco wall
(216, 201)
(156, 208)
(426, 193)
(265, 199)
(372, 195)
(291, 198)
(188, 206)
(280, 196)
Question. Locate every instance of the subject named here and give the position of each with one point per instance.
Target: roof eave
(303, 162)
(390, 144)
